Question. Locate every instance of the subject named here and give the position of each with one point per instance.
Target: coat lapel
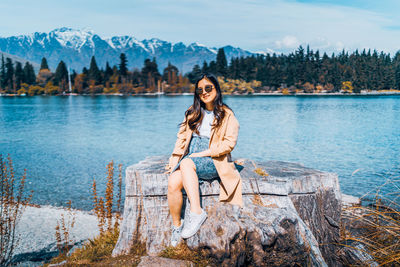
(212, 133)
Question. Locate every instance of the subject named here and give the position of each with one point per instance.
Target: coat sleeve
(180, 141)
(229, 139)
(179, 146)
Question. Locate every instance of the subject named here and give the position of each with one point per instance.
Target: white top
(205, 127)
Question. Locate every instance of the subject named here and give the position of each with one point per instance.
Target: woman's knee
(175, 181)
(188, 163)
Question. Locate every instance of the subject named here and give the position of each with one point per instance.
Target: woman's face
(205, 96)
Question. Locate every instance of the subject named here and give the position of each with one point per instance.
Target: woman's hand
(195, 155)
(205, 153)
(173, 160)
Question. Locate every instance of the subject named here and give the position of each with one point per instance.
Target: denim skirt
(205, 167)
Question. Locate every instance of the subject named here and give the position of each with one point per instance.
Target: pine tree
(396, 66)
(205, 67)
(9, 81)
(194, 74)
(61, 74)
(44, 65)
(108, 72)
(123, 69)
(29, 74)
(150, 74)
(94, 72)
(2, 73)
(85, 71)
(212, 67)
(19, 75)
(221, 68)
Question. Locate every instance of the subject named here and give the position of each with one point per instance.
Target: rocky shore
(36, 230)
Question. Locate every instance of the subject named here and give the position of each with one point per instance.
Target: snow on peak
(72, 38)
(198, 44)
(118, 42)
(153, 43)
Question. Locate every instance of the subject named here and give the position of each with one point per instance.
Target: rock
(291, 215)
(349, 201)
(36, 230)
(152, 261)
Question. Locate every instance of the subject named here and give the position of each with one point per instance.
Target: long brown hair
(195, 109)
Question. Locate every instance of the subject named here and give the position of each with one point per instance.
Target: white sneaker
(176, 234)
(193, 223)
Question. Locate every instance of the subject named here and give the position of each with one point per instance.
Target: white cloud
(287, 42)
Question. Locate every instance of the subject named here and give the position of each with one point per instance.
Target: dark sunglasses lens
(208, 88)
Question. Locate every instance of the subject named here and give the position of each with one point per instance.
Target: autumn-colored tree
(329, 87)
(308, 87)
(35, 90)
(43, 77)
(51, 89)
(347, 87)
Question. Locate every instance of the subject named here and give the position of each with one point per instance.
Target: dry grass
(258, 170)
(261, 172)
(182, 252)
(12, 204)
(98, 251)
(103, 210)
(63, 228)
(376, 227)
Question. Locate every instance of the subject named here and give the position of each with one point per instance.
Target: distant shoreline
(374, 93)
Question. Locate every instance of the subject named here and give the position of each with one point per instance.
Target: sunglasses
(207, 88)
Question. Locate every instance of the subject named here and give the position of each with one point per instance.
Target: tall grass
(103, 206)
(98, 250)
(12, 204)
(376, 227)
(63, 228)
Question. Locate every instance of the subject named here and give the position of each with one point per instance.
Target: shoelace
(175, 233)
(189, 219)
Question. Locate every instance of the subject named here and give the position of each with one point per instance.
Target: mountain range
(76, 47)
(36, 66)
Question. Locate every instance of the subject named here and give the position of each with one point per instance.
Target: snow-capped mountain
(76, 47)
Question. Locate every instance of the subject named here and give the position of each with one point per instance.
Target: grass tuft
(182, 252)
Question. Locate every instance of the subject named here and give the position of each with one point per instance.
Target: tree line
(302, 70)
(92, 80)
(308, 71)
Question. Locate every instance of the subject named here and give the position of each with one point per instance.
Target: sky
(255, 25)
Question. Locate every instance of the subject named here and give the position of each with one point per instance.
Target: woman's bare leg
(174, 196)
(191, 184)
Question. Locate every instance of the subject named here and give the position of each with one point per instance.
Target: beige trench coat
(222, 142)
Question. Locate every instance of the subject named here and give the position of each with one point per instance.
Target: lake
(64, 142)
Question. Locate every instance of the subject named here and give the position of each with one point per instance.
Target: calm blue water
(64, 142)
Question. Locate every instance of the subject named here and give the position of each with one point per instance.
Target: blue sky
(254, 25)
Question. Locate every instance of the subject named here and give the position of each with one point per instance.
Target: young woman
(206, 137)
